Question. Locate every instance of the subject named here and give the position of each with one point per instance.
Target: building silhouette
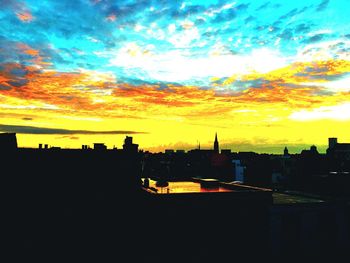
(100, 146)
(8, 141)
(129, 146)
(338, 150)
(216, 144)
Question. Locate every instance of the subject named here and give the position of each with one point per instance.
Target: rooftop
(196, 185)
(186, 187)
(294, 198)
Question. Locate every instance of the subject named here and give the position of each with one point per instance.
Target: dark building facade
(338, 150)
(8, 141)
(129, 146)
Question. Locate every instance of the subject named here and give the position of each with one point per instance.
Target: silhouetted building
(129, 146)
(226, 151)
(332, 142)
(55, 148)
(238, 171)
(216, 144)
(285, 152)
(100, 146)
(311, 152)
(8, 141)
(338, 150)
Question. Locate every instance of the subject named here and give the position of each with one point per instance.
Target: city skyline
(214, 146)
(263, 75)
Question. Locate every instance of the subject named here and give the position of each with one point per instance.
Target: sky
(262, 74)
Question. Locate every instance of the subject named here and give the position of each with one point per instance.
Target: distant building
(100, 146)
(226, 151)
(285, 152)
(238, 170)
(8, 141)
(332, 142)
(338, 150)
(169, 151)
(129, 146)
(312, 152)
(55, 148)
(216, 144)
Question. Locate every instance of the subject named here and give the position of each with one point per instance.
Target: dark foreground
(69, 206)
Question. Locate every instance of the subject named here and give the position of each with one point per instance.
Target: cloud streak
(40, 130)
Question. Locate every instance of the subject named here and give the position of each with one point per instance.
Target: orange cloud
(25, 17)
(37, 59)
(299, 72)
(111, 18)
(92, 94)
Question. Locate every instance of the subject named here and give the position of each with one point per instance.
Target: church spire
(216, 144)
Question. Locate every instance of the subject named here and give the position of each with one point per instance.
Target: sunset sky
(262, 74)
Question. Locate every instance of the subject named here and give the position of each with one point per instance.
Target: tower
(216, 144)
(285, 152)
(332, 142)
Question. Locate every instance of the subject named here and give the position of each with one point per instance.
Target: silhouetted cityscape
(177, 205)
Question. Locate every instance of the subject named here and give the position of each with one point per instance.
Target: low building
(100, 146)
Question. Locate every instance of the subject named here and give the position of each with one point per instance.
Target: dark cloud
(322, 6)
(240, 85)
(315, 38)
(287, 34)
(226, 15)
(16, 75)
(321, 74)
(27, 119)
(39, 130)
(294, 12)
(186, 12)
(263, 6)
(290, 14)
(17, 82)
(302, 28)
(230, 14)
(249, 19)
(242, 7)
(261, 27)
(4, 87)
